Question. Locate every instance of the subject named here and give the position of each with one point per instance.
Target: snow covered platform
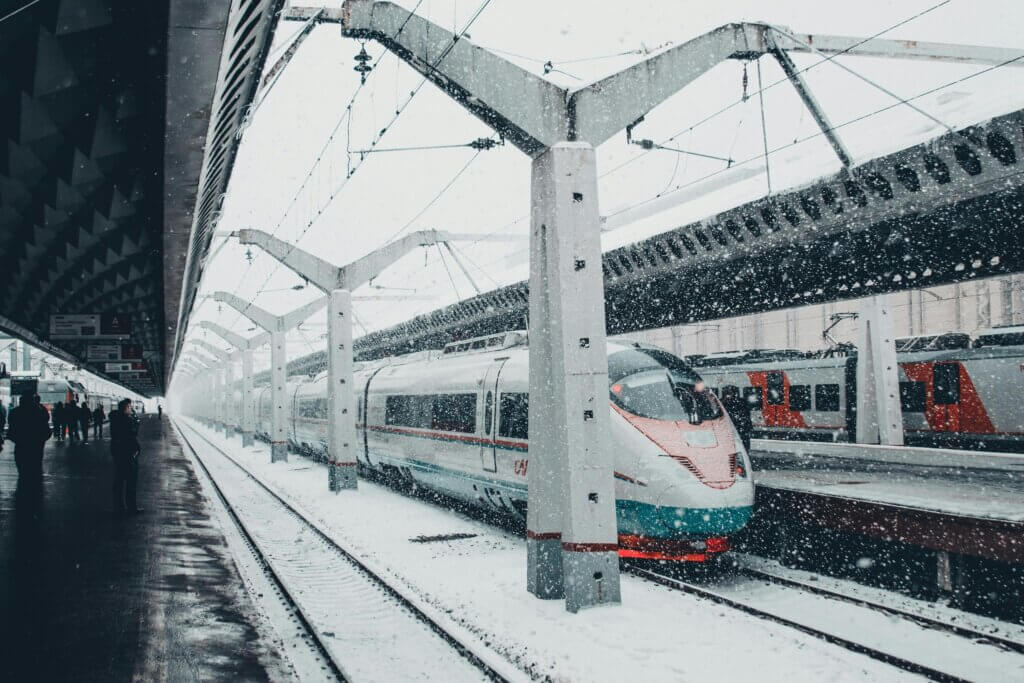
(971, 511)
(475, 575)
(89, 595)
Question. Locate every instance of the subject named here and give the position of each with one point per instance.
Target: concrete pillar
(958, 314)
(1006, 301)
(984, 319)
(572, 547)
(1017, 296)
(229, 397)
(26, 356)
(341, 409)
(13, 365)
(879, 419)
(278, 379)
(248, 401)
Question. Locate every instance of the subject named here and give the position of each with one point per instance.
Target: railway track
(922, 619)
(773, 611)
(350, 614)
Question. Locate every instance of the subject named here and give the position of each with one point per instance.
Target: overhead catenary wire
(384, 130)
(820, 133)
(780, 81)
(17, 11)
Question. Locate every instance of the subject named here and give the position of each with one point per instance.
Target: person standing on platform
(58, 420)
(125, 448)
(739, 410)
(3, 421)
(98, 416)
(84, 415)
(29, 430)
(71, 420)
(159, 411)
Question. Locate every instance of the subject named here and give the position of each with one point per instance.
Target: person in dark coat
(125, 448)
(84, 417)
(71, 419)
(739, 410)
(98, 417)
(29, 429)
(58, 420)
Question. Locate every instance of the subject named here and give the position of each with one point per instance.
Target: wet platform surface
(86, 594)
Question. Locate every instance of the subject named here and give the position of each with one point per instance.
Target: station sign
(113, 352)
(125, 367)
(91, 326)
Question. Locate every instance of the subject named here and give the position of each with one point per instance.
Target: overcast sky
(391, 193)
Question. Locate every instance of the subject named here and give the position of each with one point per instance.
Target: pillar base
(228, 430)
(248, 439)
(591, 579)
(342, 476)
(544, 567)
(279, 451)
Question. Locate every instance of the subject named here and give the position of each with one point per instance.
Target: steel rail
(923, 620)
(462, 648)
(852, 646)
(312, 634)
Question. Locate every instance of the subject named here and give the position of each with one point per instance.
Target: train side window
(454, 413)
(776, 391)
(947, 383)
(826, 397)
(800, 397)
(514, 416)
(912, 397)
(488, 412)
(408, 411)
(753, 396)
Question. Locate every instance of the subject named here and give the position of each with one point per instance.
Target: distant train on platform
(54, 390)
(955, 391)
(455, 421)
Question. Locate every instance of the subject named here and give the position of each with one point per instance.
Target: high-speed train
(456, 422)
(955, 391)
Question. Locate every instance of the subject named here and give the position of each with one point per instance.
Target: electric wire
(345, 116)
(17, 11)
(785, 79)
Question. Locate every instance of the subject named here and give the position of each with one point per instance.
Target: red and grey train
(955, 391)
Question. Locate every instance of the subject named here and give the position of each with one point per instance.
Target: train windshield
(655, 384)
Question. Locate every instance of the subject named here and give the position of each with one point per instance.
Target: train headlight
(739, 466)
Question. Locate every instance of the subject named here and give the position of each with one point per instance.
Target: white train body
(456, 423)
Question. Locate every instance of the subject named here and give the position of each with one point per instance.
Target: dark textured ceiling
(81, 121)
(105, 157)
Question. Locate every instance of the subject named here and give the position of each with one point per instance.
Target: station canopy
(111, 114)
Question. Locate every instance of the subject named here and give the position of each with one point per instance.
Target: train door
(946, 396)
(363, 416)
(488, 450)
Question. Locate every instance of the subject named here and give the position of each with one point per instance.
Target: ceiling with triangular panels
(105, 110)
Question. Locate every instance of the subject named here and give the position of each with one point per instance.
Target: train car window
(947, 383)
(912, 397)
(800, 397)
(754, 396)
(776, 389)
(408, 411)
(478, 344)
(826, 397)
(454, 413)
(488, 412)
(514, 417)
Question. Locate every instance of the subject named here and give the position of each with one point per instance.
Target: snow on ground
(657, 633)
(938, 489)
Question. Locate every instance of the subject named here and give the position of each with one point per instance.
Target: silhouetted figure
(58, 420)
(124, 446)
(739, 410)
(71, 420)
(84, 416)
(3, 423)
(29, 429)
(159, 411)
(98, 417)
